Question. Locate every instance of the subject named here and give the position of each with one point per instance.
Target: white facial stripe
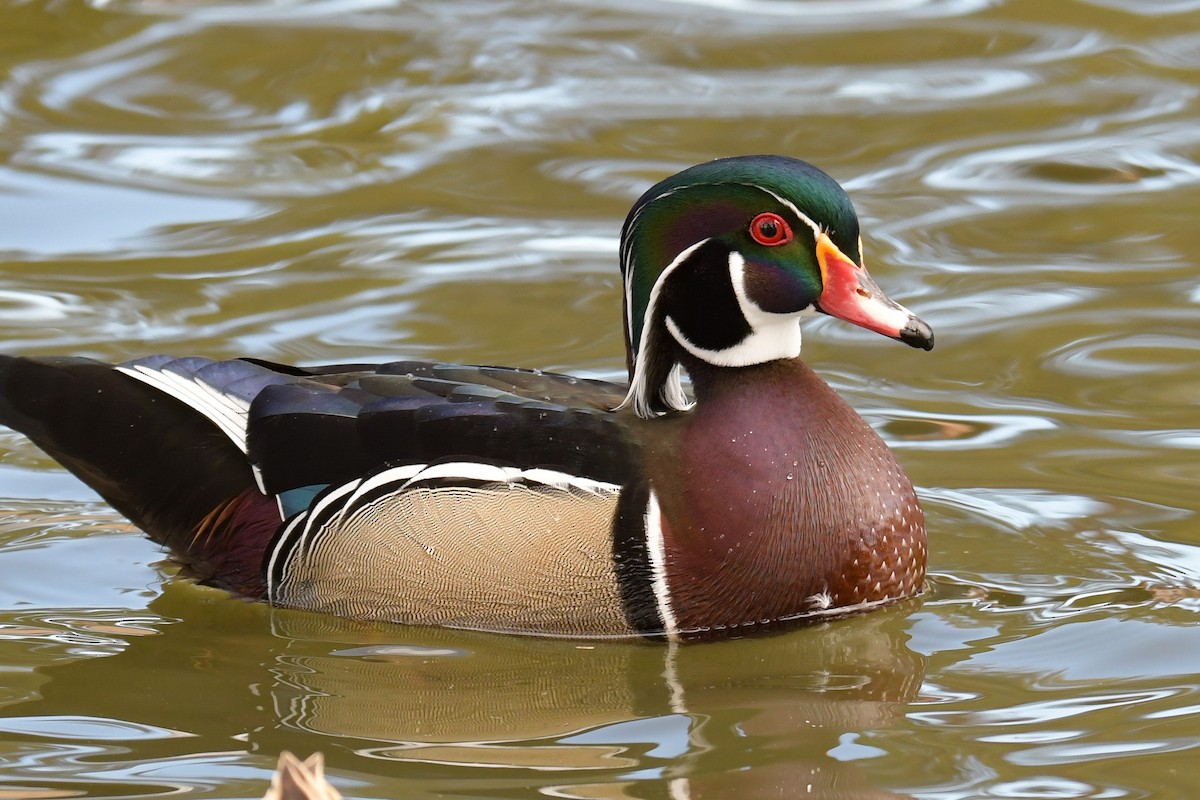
(816, 229)
(785, 326)
(627, 260)
(627, 254)
(772, 336)
(639, 391)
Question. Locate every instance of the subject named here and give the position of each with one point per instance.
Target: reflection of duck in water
(501, 499)
(753, 717)
(219, 688)
(451, 686)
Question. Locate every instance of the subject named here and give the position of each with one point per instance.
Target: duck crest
(513, 500)
(685, 253)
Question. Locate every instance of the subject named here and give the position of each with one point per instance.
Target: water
(357, 179)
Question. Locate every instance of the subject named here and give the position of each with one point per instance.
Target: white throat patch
(772, 336)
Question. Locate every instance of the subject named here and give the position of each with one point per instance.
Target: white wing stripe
(226, 412)
(339, 503)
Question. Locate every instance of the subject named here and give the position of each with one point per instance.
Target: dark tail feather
(157, 461)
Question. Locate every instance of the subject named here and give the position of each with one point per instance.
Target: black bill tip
(917, 334)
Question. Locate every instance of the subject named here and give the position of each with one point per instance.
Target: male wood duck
(514, 500)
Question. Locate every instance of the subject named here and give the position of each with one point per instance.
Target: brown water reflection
(358, 179)
(443, 704)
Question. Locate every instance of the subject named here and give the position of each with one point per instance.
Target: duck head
(721, 261)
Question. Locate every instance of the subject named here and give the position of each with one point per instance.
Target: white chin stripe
(772, 336)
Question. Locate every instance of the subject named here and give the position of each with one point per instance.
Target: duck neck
(768, 381)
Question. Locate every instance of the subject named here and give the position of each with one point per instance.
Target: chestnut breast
(778, 500)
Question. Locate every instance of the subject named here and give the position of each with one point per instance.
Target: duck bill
(852, 295)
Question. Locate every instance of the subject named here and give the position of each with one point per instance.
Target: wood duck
(515, 500)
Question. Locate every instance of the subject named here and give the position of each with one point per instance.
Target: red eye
(770, 229)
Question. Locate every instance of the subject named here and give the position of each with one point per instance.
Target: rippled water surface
(358, 179)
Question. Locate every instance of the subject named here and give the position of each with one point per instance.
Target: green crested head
(721, 260)
(720, 198)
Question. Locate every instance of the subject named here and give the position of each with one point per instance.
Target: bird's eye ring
(770, 229)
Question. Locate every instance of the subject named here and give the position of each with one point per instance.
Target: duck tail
(167, 467)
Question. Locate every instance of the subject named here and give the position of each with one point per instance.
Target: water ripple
(31, 306)
(1116, 164)
(1121, 355)
(835, 11)
(1019, 509)
(84, 728)
(1151, 8)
